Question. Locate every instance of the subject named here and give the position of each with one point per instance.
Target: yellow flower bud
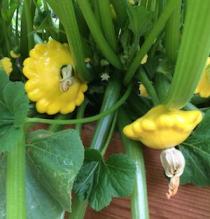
(6, 65)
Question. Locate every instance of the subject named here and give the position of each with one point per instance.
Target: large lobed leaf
(100, 180)
(56, 160)
(196, 150)
(13, 111)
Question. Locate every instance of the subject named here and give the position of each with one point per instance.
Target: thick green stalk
(139, 202)
(107, 24)
(15, 185)
(193, 53)
(172, 36)
(29, 22)
(114, 107)
(111, 96)
(142, 76)
(78, 208)
(66, 13)
(6, 37)
(26, 40)
(149, 41)
(97, 34)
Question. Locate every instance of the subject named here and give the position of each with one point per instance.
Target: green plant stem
(6, 37)
(107, 24)
(110, 98)
(97, 34)
(142, 76)
(17, 24)
(78, 208)
(66, 13)
(55, 127)
(29, 22)
(80, 114)
(193, 53)
(110, 133)
(139, 202)
(149, 41)
(172, 36)
(15, 185)
(87, 119)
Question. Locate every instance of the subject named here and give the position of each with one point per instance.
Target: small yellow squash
(162, 127)
(51, 80)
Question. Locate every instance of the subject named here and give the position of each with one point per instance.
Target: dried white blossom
(173, 163)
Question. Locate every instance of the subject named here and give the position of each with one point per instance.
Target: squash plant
(139, 67)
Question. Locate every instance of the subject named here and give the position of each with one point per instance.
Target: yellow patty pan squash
(6, 65)
(203, 88)
(51, 82)
(162, 127)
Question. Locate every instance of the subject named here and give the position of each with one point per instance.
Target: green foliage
(100, 180)
(37, 199)
(196, 150)
(8, 8)
(140, 20)
(13, 111)
(56, 160)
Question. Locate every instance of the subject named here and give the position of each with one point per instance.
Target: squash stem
(29, 23)
(172, 37)
(193, 53)
(139, 202)
(107, 24)
(15, 185)
(97, 34)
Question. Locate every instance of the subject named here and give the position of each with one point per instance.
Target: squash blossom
(203, 88)
(162, 128)
(51, 80)
(6, 65)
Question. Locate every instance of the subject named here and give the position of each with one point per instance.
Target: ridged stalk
(193, 53)
(97, 34)
(172, 36)
(15, 185)
(139, 202)
(107, 24)
(66, 13)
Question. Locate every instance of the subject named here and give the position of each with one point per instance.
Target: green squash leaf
(100, 181)
(56, 160)
(39, 203)
(13, 111)
(196, 150)
(140, 19)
